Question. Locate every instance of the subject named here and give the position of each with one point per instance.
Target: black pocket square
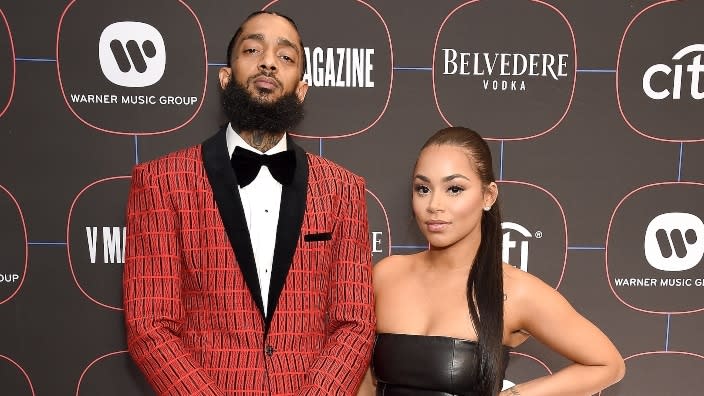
(321, 236)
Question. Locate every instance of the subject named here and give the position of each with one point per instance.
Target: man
(244, 278)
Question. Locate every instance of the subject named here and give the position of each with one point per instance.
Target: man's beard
(247, 113)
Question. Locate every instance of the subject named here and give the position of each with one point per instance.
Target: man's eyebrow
(280, 41)
(254, 36)
(288, 43)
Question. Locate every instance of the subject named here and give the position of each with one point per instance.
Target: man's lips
(264, 82)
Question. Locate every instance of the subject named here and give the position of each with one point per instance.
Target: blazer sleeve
(341, 365)
(154, 312)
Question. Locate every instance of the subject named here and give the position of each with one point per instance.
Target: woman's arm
(547, 316)
(368, 385)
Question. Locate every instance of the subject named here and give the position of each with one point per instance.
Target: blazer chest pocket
(318, 237)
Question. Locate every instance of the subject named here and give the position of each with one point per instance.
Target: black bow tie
(247, 164)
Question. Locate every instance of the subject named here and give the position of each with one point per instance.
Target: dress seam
(452, 368)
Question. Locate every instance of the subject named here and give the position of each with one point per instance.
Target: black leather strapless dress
(416, 365)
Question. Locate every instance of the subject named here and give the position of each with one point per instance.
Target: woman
(432, 338)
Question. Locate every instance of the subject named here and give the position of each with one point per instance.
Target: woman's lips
(436, 225)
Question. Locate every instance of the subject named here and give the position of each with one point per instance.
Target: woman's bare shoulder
(519, 284)
(392, 268)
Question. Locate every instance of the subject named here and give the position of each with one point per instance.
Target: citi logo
(132, 54)
(674, 241)
(673, 76)
(508, 244)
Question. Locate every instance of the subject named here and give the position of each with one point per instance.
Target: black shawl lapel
(288, 230)
(224, 184)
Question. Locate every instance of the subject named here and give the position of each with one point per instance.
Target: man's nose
(268, 61)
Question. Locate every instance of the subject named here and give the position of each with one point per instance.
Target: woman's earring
(487, 208)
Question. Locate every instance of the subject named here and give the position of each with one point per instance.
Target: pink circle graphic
(68, 241)
(574, 78)
(618, 77)
(659, 353)
(93, 363)
(606, 253)
(26, 244)
(525, 355)
(22, 370)
(391, 80)
(14, 67)
(562, 214)
(386, 218)
(138, 133)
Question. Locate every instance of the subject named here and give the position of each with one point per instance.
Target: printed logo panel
(132, 67)
(379, 229)
(114, 374)
(479, 74)
(660, 373)
(349, 69)
(534, 231)
(660, 90)
(132, 54)
(96, 240)
(674, 241)
(655, 246)
(13, 255)
(15, 380)
(7, 65)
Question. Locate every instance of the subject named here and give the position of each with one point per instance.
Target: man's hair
(233, 40)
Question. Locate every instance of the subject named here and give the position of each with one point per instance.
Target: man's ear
(301, 90)
(224, 75)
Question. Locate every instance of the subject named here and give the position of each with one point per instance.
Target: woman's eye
(422, 189)
(455, 189)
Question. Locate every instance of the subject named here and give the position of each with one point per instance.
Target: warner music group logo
(673, 242)
(139, 69)
(133, 55)
(655, 248)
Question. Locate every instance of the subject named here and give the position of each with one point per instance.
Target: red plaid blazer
(193, 308)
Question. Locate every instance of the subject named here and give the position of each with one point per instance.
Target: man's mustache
(267, 75)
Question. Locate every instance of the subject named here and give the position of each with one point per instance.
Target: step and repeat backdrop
(593, 110)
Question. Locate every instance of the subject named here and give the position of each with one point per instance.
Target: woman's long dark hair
(485, 286)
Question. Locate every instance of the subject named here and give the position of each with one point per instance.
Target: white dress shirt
(260, 200)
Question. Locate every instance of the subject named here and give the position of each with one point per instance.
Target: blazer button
(269, 350)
